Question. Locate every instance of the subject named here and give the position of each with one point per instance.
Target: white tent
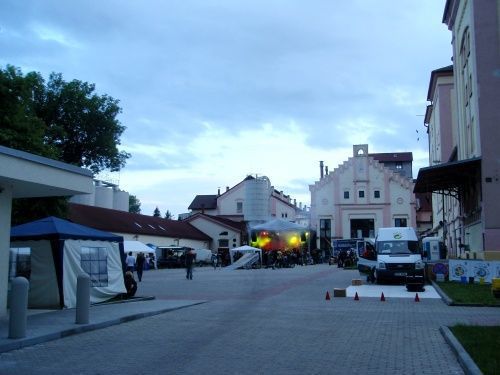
(137, 247)
(244, 249)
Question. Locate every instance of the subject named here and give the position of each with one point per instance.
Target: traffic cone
(327, 296)
(356, 298)
(416, 298)
(382, 297)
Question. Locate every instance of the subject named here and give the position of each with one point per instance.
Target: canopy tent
(279, 234)
(277, 225)
(56, 251)
(137, 247)
(244, 249)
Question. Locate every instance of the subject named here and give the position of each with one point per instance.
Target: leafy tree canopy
(63, 120)
(134, 204)
(168, 215)
(67, 121)
(157, 213)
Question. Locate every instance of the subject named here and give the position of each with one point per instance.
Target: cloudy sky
(214, 90)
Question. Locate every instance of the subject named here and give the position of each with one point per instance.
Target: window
(399, 166)
(94, 261)
(223, 243)
(325, 234)
(346, 195)
(361, 193)
(400, 222)
(20, 262)
(376, 194)
(239, 207)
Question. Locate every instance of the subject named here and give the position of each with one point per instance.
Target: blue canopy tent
(51, 252)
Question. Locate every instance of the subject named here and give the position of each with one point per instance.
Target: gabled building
(466, 172)
(360, 196)
(225, 233)
(147, 229)
(251, 200)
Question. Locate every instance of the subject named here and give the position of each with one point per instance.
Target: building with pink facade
(363, 194)
(464, 133)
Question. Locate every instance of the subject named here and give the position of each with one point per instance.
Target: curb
(25, 342)
(443, 295)
(465, 360)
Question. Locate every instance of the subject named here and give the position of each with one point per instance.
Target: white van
(398, 254)
(203, 256)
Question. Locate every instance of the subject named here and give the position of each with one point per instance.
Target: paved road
(261, 322)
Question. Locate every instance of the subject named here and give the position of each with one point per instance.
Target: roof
(236, 225)
(278, 225)
(450, 177)
(125, 222)
(435, 74)
(204, 202)
(52, 227)
(386, 157)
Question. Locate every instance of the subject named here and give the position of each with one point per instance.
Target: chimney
(321, 170)
(218, 192)
(227, 188)
(326, 170)
(295, 202)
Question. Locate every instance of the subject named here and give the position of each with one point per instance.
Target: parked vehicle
(171, 256)
(398, 255)
(203, 257)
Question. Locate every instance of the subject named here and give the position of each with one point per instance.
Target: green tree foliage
(62, 120)
(168, 215)
(157, 213)
(134, 204)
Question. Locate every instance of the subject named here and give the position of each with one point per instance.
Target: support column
(5, 212)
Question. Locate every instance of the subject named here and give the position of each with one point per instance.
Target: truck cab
(399, 254)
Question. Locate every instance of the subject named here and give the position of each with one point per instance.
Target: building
(362, 195)
(137, 227)
(226, 234)
(106, 195)
(251, 200)
(463, 126)
(24, 175)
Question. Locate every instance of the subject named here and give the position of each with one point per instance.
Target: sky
(214, 90)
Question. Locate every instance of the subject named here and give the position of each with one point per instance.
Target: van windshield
(398, 247)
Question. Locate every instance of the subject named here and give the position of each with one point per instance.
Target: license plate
(400, 274)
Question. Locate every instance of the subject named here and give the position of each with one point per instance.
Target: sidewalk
(50, 325)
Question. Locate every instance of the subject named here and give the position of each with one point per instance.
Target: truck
(397, 257)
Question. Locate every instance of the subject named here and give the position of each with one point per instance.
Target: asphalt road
(261, 322)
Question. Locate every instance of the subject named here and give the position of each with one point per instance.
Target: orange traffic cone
(416, 298)
(356, 298)
(327, 296)
(382, 297)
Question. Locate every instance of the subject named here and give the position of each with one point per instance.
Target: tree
(62, 120)
(157, 213)
(134, 204)
(67, 121)
(168, 215)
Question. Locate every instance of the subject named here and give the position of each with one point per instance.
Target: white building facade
(358, 197)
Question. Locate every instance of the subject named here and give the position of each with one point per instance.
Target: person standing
(190, 257)
(130, 262)
(139, 262)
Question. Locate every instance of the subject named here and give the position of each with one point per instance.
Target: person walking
(130, 262)
(139, 262)
(190, 257)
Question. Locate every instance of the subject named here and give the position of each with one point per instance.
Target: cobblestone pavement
(265, 322)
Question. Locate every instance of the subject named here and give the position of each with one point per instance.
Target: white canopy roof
(136, 247)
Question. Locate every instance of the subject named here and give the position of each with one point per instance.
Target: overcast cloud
(214, 90)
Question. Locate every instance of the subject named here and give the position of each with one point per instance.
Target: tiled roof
(236, 225)
(116, 221)
(207, 202)
(386, 157)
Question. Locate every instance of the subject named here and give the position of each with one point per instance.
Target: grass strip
(482, 343)
(469, 293)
